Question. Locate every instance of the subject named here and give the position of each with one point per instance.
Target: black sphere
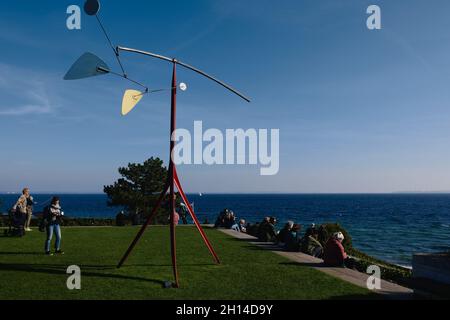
(91, 7)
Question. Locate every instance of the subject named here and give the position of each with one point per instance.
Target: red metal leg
(147, 222)
(194, 217)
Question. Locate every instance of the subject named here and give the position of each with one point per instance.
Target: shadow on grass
(60, 269)
(114, 267)
(21, 253)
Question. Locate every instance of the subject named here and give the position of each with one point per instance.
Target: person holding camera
(54, 219)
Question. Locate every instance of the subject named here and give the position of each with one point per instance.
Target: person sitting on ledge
(311, 245)
(261, 228)
(221, 219)
(230, 221)
(267, 231)
(256, 229)
(227, 220)
(242, 226)
(334, 254)
(292, 238)
(281, 237)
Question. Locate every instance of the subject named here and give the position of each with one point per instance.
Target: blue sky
(358, 110)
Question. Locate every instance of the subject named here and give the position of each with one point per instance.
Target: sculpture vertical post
(173, 110)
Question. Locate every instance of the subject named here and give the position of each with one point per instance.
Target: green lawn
(246, 272)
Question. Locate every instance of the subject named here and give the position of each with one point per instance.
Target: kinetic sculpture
(89, 65)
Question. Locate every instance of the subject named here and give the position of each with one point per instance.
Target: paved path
(388, 289)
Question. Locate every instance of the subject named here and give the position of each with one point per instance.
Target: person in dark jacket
(267, 231)
(292, 240)
(230, 221)
(281, 237)
(54, 218)
(222, 220)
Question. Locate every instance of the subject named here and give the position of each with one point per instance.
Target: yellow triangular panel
(130, 100)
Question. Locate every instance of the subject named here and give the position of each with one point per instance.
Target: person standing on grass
(24, 206)
(54, 218)
(30, 203)
(20, 207)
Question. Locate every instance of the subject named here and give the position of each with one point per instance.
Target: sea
(391, 227)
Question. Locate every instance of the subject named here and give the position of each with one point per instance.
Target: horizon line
(246, 193)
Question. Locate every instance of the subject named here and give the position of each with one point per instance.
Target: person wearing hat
(334, 254)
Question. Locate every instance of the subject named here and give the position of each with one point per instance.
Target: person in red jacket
(334, 254)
